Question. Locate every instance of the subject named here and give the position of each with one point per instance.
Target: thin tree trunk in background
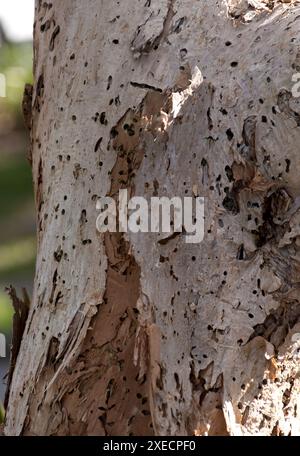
(138, 334)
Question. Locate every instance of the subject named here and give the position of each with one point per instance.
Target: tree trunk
(135, 334)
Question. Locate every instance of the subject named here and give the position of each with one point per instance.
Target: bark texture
(142, 334)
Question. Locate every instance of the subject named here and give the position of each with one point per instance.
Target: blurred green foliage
(1, 414)
(6, 313)
(17, 257)
(17, 228)
(16, 65)
(15, 184)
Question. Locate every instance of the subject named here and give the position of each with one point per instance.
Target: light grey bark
(139, 334)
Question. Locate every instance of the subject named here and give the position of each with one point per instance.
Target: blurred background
(17, 218)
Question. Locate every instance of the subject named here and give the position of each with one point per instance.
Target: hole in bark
(230, 203)
(176, 377)
(229, 134)
(183, 52)
(178, 25)
(53, 37)
(103, 119)
(109, 82)
(98, 144)
(113, 133)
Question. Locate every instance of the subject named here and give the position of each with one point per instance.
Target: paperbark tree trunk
(134, 334)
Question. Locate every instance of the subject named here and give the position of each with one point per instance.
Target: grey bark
(138, 334)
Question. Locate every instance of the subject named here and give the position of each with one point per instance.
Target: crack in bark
(140, 85)
(146, 40)
(21, 308)
(278, 323)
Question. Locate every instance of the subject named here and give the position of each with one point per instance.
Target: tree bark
(138, 334)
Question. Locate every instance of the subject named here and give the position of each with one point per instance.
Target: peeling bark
(140, 334)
